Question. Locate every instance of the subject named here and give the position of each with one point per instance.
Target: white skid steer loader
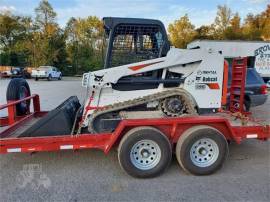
(143, 77)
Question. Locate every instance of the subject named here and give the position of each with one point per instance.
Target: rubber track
(188, 102)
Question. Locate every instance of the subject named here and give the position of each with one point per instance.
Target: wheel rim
(145, 154)
(204, 152)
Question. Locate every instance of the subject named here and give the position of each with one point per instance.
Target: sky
(200, 12)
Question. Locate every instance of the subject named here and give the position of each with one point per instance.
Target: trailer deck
(233, 128)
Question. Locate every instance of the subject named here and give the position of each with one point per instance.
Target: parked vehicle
(268, 84)
(5, 74)
(46, 72)
(255, 91)
(20, 72)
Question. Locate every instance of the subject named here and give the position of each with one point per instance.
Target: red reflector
(264, 89)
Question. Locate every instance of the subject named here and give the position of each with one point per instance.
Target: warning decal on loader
(212, 86)
(138, 67)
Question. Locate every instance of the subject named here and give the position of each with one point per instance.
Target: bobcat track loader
(143, 75)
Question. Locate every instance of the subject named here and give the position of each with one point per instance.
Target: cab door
(55, 73)
(58, 72)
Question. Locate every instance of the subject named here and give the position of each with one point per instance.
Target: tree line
(79, 46)
(227, 26)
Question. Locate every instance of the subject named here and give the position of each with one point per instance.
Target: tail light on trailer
(264, 89)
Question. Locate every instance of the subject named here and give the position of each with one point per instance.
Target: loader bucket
(57, 122)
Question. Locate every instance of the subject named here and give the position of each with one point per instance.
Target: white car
(46, 72)
(6, 73)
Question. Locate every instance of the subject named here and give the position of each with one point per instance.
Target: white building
(258, 52)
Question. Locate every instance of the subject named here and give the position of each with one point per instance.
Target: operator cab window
(136, 43)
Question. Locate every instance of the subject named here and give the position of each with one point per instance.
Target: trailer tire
(144, 152)
(18, 89)
(201, 150)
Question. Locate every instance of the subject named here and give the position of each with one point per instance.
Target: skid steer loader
(144, 76)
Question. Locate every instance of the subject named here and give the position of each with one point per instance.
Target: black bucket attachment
(57, 122)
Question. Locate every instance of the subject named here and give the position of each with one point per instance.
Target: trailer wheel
(201, 150)
(18, 89)
(144, 152)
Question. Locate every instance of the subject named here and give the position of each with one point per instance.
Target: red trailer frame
(225, 122)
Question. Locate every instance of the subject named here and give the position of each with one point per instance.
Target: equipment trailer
(150, 100)
(145, 145)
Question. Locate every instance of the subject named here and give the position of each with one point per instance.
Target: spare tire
(18, 89)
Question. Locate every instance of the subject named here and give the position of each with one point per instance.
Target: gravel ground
(89, 175)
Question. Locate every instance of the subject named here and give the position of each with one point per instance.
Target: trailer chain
(187, 99)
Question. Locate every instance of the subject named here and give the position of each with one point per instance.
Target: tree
(181, 32)
(252, 28)
(45, 17)
(48, 38)
(205, 32)
(13, 35)
(11, 30)
(222, 21)
(265, 19)
(234, 30)
(84, 43)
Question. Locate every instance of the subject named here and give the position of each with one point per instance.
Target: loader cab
(130, 40)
